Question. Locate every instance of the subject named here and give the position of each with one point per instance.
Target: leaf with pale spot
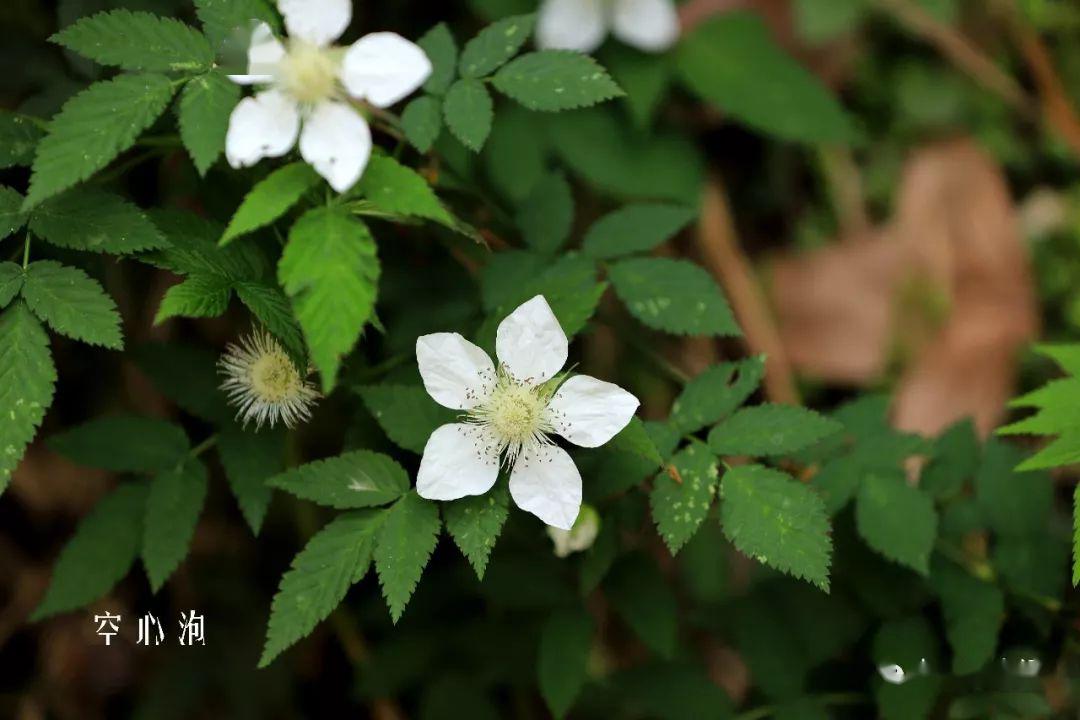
(72, 303)
(97, 221)
(554, 80)
(356, 479)
(680, 504)
(676, 296)
(495, 45)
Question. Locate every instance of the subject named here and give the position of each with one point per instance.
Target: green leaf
(406, 413)
(635, 228)
(222, 19)
(438, 43)
(206, 103)
(19, 136)
(172, 511)
(955, 459)
(99, 554)
(770, 430)
(554, 80)
(330, 270)
(778, 521)
(1014, 503)
(675, 296)
(422, 121)
(733, 62)
(271, 198)
(187, 375)
(643, 599)
(907, 642)
(334, 559)
(72, 303)
(123, 443)
(93, 128)
(97, 221)
(680, 505)
(646, 78)
(598, 559)
(193, 249)
(475, 523)
(197, 296)
(715, 393)
(1076, 536)
(402, 549)
(250, 459)
(11, 282)
(27, 377)
(562, 666)
(547, 214)
(515, 155)
(138, 41)
(468, 110)
(634, 438)
(394, 188)
(12, 217)
(356, 479)
(495, 45)
(897, 520)
(974, 611)
(271, 308)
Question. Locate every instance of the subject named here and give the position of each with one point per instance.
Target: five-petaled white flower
(582, 25)
(510, 411)
(312, 83)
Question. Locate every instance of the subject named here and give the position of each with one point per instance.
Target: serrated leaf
(72, 304)
(250, 459)
(99, 554)
(93, 128)
(675, 296)
(778, 521)
(222, 19)
(206, 103)
(679, 506)
(422, 121)
(1013, 503)
(897, 520)
(193, 249)
(554, 80)
(475, 523)
(635, 228)
(635, 439)
(955, 459)
(643, 599)
(97, 221)
(138, 41)
(330, 270)
(495, 45)
(187, 375)
(469, 111)
(271, 198)
(439, 45)
(715, 392)
(19, 136)
(394, 188)
(196, 296)
(547, 214)
(27, 378)
(173, 506)
(356, 479)
(334, 559)
(565, 642)
(403, 546)
(271, 308)
(770, 430)
(11, 282)
(406, 413)
(12, 217)
(123, 443)
(974, 611)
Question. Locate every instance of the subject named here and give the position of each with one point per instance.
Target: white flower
(262, 381)
(582, 25)
(580, 537)
(312, 83)
(511, 411)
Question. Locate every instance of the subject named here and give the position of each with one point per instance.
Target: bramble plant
(342, 294)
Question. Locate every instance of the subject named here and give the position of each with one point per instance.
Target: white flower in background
(580, 537)
(511, 411)
(262, 381)
(312, 84)
(582, 25)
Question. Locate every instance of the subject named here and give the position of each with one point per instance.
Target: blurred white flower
(510, 413)
(264, 384)
(310, 83)
(582, 25)
(578, 538)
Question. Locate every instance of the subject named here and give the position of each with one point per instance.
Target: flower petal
(546, 483)
(530, 343)
(589, 412)
(456, 373)
(384, 67)
(459, 459)
(571, 25)
(336, 141)
(648, 25)
(318, 21)
(261, 126)
(264, 53)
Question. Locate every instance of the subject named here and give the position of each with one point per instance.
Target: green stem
(204, 445)
(26, 251)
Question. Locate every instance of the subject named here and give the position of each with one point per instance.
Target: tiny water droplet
(893, 673)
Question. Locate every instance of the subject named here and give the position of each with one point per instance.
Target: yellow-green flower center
(309, 73)
(515, 413)
(274, 377)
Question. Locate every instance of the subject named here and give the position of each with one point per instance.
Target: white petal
(261, 126)
(336, 141)
(546, 483)
(530, 342)
(384, 67)
(456, 373)
(317, 21)
(459, 459)
(571, 25)
(649, 25)
(589, 412)
(263, 55)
